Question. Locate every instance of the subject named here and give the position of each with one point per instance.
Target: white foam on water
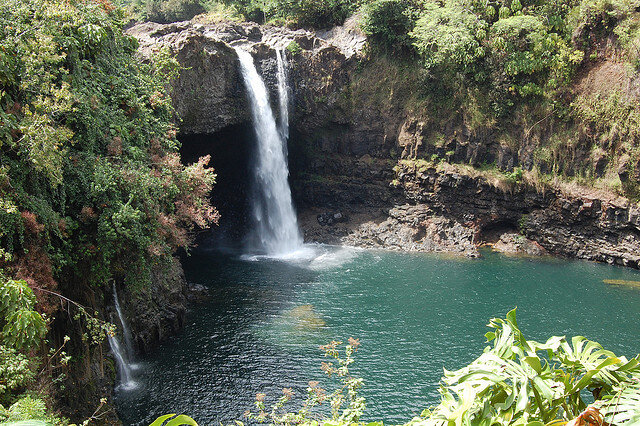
(316, 257)
(334, 258)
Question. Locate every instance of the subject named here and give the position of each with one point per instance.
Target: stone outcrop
(209, 94)
(346, 143)
(571, 225)
(449, 211)
(158, 311)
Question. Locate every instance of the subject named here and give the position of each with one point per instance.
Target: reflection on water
(414, 314)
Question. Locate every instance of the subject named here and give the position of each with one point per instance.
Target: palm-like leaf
(511, 384)
(623, 407)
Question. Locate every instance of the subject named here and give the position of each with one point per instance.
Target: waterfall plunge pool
(413, 313)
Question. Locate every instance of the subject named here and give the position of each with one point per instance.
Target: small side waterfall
(126, 334)
(276, 222)
(283, 94)
(122, 354)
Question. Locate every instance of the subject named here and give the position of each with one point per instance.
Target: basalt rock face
(209, 93)
(348, 131)
(151, 315)
(572, 225)
(158, 311)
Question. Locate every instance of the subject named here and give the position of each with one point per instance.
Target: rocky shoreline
(447, 211)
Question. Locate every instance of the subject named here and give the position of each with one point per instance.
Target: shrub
(449, 38)
(514, 381)
(527, 60)
(221, 12)
(528, 382)
(165, 11)
(388, 23)
(93, 132)
(294, 48)
(595, 20)
(321, 13)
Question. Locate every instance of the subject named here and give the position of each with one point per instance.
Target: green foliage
(15, 371)
(22, 330)
(26, 409)
(599, 18)
(449, 38)
(92, 189)
(519, 381)
(515, 176)
(298, 13)
(613, 118)
(531, 55)
(22, 327)
(165, 11)
(388, 23)
(173, 420)
(294, 48)
(314, 13)
(514, 381)
(628, 33)
(90, 165)
(217, 11)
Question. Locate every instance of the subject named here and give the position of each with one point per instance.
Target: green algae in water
(623, 282)
(304, 317)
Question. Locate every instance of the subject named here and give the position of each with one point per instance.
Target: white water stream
(122, 355)
(283, 95)
(276, 225)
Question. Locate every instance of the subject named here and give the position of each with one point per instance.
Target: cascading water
(126, 381)
(283, 94)
(126, 334)
(122, 354)
(276, 222)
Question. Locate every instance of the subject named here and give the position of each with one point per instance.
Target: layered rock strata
(348, 134)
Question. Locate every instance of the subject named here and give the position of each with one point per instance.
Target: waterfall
(126, 382)
(275, 219)
(126, 334)
(122, 354)
(283, 94)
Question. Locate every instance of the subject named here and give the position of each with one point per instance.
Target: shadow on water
(414, 314)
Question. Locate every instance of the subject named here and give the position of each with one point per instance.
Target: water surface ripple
(414, 314)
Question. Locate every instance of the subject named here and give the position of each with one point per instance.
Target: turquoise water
(414, 314)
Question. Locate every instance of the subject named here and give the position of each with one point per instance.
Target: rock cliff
(355, 138)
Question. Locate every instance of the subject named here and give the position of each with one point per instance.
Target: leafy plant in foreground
(523, 382)
(514, 382)
(346, 405)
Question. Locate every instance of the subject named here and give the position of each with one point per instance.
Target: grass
(607, 188)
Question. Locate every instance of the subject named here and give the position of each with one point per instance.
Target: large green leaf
(175, 421)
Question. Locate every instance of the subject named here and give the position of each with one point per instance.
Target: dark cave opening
(491, 232)
(231, 151)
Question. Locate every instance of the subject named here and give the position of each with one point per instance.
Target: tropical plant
(92, 189)
(173, 420)
(347, 406)
(449, 38)
(165, 11)
(388, 24)
(22, 330)
(523, 382)
(515, 382)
